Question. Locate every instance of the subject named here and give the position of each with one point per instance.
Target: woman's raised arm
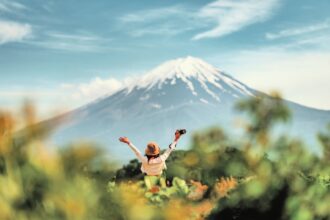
(131, 145)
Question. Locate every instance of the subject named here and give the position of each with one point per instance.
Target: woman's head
(152, 149)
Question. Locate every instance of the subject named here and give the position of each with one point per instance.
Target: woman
(153, 163)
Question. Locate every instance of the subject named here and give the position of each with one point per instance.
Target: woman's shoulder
(155, 160)
(144, 159)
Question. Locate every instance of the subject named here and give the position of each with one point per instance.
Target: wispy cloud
(227, 15)
(74, 37)
(76, 41)
(233, 15)
(11, 31)
(163, 30)
(48, 5)
(79, 42)
(151, 15)
(325, 25)
(165, 21)
(10, 6)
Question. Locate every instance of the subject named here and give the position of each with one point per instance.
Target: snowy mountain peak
(189, 70)
(181, 68)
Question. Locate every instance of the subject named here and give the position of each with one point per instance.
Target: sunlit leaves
(259, 174)
(223, 186)
(263, 111)
(325, 141)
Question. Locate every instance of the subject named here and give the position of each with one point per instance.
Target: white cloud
(74, 37)
(155, 105)
(165, 21)
(228, 16)
(144, 98)
(63, 97)
(301, 76)
(163, 30)
(151, 15)
(300, 30)
(233, 15)
(13, 31)
(97, 87)
(79, 42)
(10, 6)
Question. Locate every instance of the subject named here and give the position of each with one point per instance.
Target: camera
(182, 131)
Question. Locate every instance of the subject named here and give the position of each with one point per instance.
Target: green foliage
(324, 138)
(218, 178)
(130, 171)
(263, 111)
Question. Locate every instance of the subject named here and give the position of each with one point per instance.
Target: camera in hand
(182, 131)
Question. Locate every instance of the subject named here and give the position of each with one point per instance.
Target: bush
(218, 178)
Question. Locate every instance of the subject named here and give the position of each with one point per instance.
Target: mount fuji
(182, 93)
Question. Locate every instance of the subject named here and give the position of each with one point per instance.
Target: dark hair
(153, 156)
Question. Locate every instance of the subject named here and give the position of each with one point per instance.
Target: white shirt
(154, 166)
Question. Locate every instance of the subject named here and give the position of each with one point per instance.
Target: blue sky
(65, 53)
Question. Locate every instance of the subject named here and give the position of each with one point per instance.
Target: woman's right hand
(124, 140)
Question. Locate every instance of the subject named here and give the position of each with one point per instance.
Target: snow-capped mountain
(188, 70)
(183, 93)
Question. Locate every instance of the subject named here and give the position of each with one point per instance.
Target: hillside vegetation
(219, 177)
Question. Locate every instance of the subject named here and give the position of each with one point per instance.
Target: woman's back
(152, 163)
(153, 167)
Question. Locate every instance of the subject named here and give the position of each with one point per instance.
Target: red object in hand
(177, 135)
(124, 140)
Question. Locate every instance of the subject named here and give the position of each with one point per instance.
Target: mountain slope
(183, 93)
